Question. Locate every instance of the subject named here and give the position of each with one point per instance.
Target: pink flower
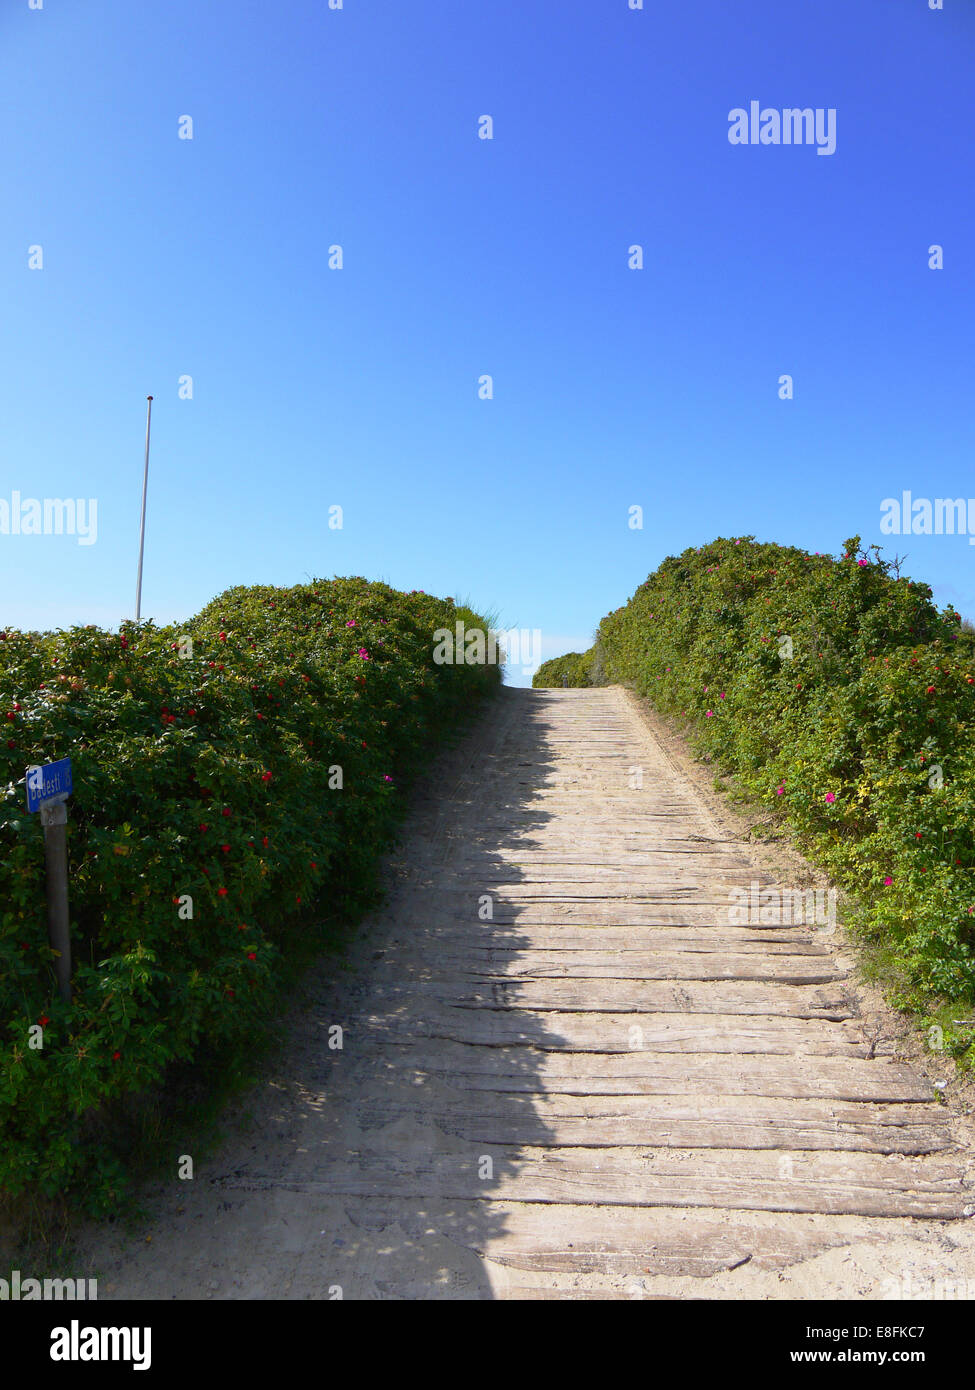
(721, 696)
(351, 622)
(861, 562)
(708, 713)
(831, 797)
(386, 777)
(888, 881)
(363, 653)
(780, 791)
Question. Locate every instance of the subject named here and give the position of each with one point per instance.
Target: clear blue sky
(357, 387)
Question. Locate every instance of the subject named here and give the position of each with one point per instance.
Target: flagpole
(142, 526)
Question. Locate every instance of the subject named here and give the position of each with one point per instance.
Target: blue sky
(357, 387)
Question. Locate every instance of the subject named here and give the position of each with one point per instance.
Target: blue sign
(48, 784)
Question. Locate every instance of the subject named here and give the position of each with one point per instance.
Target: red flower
(225, 811)
(222, 892)
(43, 1020)
(116, 1056)
(252, 955)
(204, 828)
(225, 848)
(265, 777)
(264, 842)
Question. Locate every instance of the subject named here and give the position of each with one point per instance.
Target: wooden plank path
(565, 1066)
(569, 1059)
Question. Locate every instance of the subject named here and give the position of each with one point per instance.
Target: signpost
(48, 787)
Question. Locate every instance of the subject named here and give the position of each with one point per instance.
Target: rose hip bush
(252, 775)
(841, 697)
(570, 670)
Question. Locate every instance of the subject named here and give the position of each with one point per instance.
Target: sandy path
(606, 1087)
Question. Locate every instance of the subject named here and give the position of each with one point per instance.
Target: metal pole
(55, 822)
(142, 526)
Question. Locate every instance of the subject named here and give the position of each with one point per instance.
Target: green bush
(210, 776)
(571, 669)
(841, 697)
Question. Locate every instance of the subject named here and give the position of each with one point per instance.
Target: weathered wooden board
(740, 1122)
(516, 964)
(671, 910)
(658, 1073)
(812, 1034)
(533, 938)
(747, 1001)
(833, 1183)
(721, 889)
